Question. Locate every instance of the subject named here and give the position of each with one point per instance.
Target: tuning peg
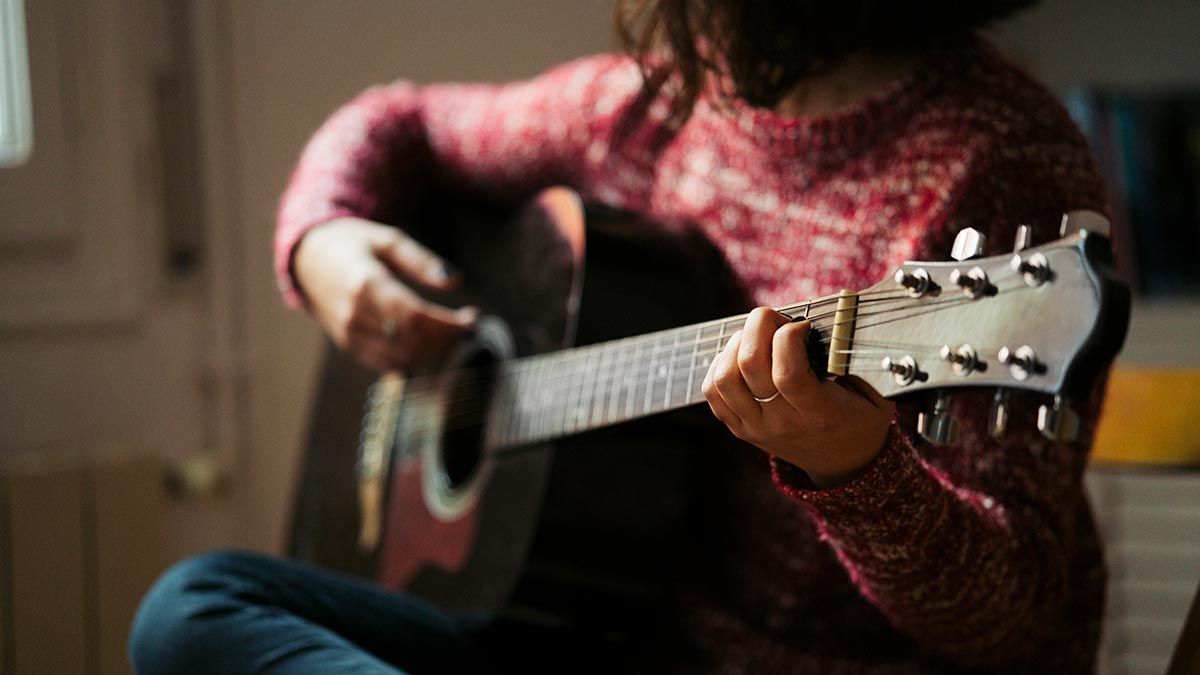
(968, 244)
(917, 281)
(1034, 268)
(1022, 362)
(998, 415)
(1088, 221)
(1058, 422)
(904, 370)
(963, 359)
(938, 427)
(974, 283)
(1024, 238)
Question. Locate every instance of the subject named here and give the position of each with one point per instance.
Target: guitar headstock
(1044, 318)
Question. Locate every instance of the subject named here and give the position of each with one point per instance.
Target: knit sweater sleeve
(392, 141)
(967, 548)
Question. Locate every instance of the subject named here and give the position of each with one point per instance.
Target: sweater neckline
(857, 122)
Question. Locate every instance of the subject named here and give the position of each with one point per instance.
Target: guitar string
(853, 353)
(535, 443)
(573, 374)
(523, 363)
(568, 368)
(419, 429)
(571, 357)
(588, 420)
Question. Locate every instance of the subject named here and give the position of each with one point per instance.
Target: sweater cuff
(287, 238)
(867, 495)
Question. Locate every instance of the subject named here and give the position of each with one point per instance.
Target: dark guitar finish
(577, 535)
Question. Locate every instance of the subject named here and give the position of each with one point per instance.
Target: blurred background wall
(142, 342)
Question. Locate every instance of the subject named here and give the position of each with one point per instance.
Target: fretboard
(549, 396)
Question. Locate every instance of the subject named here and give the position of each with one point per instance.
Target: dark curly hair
(766, 47)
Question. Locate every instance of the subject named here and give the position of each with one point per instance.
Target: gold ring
(768, 399)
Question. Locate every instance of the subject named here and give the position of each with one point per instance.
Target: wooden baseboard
(80, 542)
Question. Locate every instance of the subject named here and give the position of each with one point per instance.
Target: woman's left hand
(830, 429)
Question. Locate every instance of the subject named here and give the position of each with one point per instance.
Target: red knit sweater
(980, 555)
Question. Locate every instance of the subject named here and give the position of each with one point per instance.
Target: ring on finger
(768, 399)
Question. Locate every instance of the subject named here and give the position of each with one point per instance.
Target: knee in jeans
(164, 630)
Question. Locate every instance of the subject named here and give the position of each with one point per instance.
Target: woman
(817, 145)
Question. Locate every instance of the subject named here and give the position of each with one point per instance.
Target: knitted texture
(978, 556)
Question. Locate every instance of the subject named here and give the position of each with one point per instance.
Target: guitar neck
(549, 396)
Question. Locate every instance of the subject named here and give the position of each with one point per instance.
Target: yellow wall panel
(1152, 417)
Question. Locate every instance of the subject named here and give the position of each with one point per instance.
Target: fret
(545, 374)
(569, 393)
(591, 380)
(597, 387)
(630, 382)
(579, 386)
(547, 382)
(518, 412)
(531, 402)
(617, 379)
(541, 427)
(678, 385)
(595, 412)
(558, 380)
(555, 374)
(648, 365)
(624, 406)
(534, 411)
(670, 371)
(552, 375)
(701, 357)
(596, 372)
(692, 365)
(577, 380)
(586, 382)
(611, 383)
(650, 374)
(624, 403)
(564, 379)
(529, 406)
(660, 370)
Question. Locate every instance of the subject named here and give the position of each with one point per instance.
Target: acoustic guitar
(454, 492)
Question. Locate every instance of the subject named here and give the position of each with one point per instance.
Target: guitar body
(583, 534)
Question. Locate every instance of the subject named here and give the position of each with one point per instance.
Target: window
(16, 123)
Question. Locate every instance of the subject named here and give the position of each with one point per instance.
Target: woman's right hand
(353, 271)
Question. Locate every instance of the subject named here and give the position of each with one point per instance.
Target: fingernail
(443, 271)
(468, 314)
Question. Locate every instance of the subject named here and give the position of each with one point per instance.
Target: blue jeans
(246, 613)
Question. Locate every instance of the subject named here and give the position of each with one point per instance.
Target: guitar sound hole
(469, 397)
